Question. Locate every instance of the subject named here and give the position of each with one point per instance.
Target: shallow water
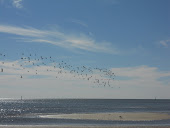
(25, 112)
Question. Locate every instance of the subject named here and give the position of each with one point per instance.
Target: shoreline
(125, 116)
(67, 126)
(120, 116)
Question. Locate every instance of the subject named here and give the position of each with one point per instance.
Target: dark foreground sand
(130, 116)
(84, 126)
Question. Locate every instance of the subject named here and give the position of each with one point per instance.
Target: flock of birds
(28, 62)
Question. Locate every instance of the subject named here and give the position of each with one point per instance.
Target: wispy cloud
(55, 37)
(29, 72)
(12, 3)
(165, 43)
(17, 3)
(141, 82)
(36, 84)
(141, 76)
(79, 22)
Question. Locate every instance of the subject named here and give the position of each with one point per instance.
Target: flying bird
(97, 76)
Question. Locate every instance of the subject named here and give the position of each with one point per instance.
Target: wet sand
(139, 116)
(84, 126)
(129, 116)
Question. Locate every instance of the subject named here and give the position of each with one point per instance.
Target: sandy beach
(139, 116)
(128, 116)
(29, 126)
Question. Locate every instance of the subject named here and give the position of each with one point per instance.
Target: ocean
(26, 112)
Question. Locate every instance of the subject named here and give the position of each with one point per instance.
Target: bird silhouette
(31, 63)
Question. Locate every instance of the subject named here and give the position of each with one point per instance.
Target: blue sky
(130, 38)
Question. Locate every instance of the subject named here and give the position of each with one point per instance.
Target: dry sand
(100, 116)
(139, 116)
(84, 126)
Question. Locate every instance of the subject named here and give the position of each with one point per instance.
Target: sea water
(26, 112)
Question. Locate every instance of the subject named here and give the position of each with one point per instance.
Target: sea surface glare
(26, 112)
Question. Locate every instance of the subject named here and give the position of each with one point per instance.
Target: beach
(85, 113)
(32, 126)
(127, 116)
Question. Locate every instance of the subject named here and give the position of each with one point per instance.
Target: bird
(104, 78)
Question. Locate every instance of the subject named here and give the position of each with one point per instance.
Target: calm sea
(15, 112)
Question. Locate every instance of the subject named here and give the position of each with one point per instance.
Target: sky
(128, 38)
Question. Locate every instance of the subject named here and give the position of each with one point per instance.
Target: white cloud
(134, 82)
(79, 22)
(141, 76)
(133, 76)
(78, 41)
(12, 3)
(26, 32)
(27, 70)
(17, 3)
(165, 43)
(67, 84)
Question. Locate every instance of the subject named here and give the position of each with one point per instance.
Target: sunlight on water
(39, 111)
